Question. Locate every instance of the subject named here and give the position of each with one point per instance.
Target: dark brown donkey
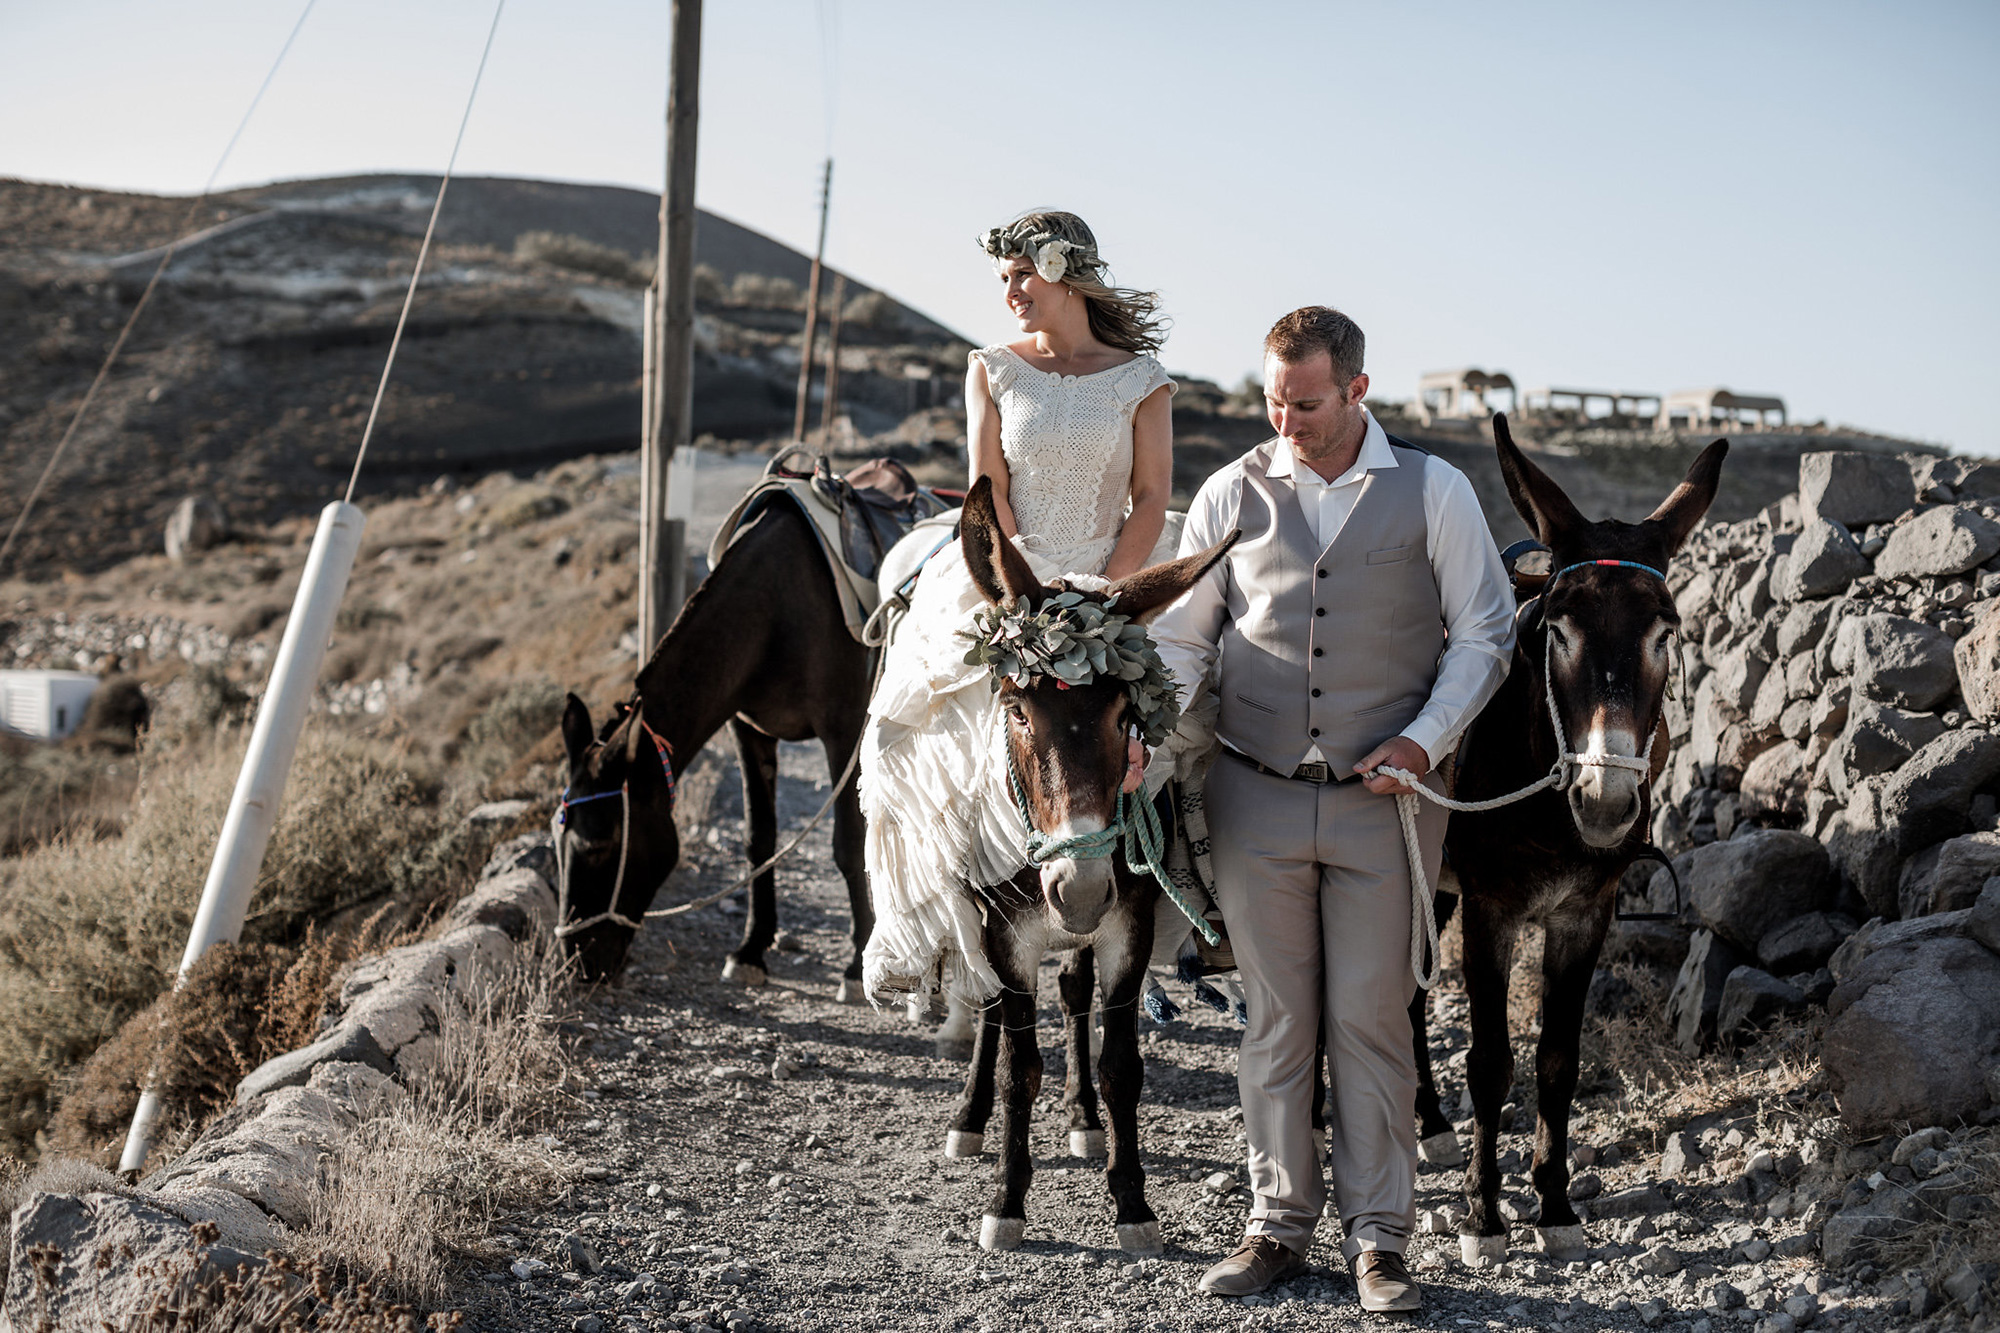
(762, 647)
(1066, 744)
(1604, 625)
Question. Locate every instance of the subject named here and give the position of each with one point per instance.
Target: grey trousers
(1315, 885)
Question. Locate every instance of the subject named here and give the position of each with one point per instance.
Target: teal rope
(1145, 845)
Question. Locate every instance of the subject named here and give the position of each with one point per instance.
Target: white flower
(1051, 261)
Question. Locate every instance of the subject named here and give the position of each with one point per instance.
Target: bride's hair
(1121, 317)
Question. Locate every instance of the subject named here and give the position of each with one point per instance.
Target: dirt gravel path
(717, 1195)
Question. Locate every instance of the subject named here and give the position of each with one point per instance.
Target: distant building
(47, 705)
(1461, 394)
(1557, 400)
(1693, 409)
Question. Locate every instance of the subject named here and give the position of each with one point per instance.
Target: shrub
(873, 310)
(581, 256)
(522, 714)
(765, 292)
(709, 287)
(92, 932)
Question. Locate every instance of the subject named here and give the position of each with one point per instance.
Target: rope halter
(1570, 763)
(564, 926)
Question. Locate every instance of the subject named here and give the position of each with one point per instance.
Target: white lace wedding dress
(933, 775)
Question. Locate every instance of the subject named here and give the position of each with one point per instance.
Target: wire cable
(181, 233)
(423, 252)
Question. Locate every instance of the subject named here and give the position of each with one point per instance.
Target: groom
(1362, 620)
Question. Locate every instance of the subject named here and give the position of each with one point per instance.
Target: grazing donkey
(762, 646)
(1591, 669)
(1065, 746)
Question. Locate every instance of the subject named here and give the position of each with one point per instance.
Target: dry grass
(1939, 1246)
(91, 931)
(413, 1191)
(581, 256)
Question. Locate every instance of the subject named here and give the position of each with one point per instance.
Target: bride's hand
(1135, 764)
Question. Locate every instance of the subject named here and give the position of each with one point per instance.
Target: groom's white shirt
(1473, 591)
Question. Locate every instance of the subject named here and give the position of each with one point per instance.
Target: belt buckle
(1316, 772)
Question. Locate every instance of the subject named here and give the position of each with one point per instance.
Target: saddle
(856, 517)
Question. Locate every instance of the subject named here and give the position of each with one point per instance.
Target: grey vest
(1336, 646)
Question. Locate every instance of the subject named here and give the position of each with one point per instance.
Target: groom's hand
(1135, 764)
(1396, 752)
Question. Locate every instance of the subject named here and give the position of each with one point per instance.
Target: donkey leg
(1122, 1072)
(757, 757)
(1437, 1143)
(1489, 1074)
(1020, 1069)
(1077, 986)
(967, 1135)
(850, 832)
(1569, 956)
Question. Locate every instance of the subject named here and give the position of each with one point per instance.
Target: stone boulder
(196, 524)
(1825, 560)
(1939, 542)
(1804, 942)
(1949, 876)
(1696, 999)
(1930, 797)
(1880, 934)
(1878, 738)
(1805, 625)
(154, 1252)
(1865, 850)
(1774, 784)
(1915, 1031)
(1854, 488)
(1977, 657)
(1752, 997)
(1743, 887)
(1903, 662)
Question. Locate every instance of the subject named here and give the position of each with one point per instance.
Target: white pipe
(260, 786)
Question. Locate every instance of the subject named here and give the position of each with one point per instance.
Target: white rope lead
(423, 252)
(181, 233)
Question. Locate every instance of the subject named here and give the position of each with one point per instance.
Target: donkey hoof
(964, 1143)
(1482, 1251)
(1320, 1144)
(1140, 1238)
(1001, 1233)
(1088, 1143)
(744, 974)
(1562, 1243)
(849, 992)
(1442, 1149)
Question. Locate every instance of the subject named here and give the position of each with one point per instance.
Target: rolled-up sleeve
(1478, 607)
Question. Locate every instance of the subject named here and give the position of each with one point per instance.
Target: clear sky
(1793, 198)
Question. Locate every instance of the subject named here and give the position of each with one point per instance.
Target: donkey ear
(1539, 501)
(1146, 593)
(576, 732)
(998, 569)
(1679, 512)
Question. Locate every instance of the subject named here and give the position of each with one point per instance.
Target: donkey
(1603, 627)
(1066, 751)
(762, 646)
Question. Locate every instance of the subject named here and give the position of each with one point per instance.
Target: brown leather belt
(1319, 774)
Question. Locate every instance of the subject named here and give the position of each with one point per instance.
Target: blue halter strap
(1616, 564)
(660, 747)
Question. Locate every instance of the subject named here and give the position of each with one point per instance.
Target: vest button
(1322, 573)
(1319, 652)
(1319, 610)
(1316, 692)
(1315, 731)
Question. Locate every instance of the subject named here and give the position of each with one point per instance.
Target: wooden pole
(829, 411)
(649, 513)
(673, 362)
(812, 312)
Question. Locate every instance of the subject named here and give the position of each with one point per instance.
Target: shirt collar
(1375, 453)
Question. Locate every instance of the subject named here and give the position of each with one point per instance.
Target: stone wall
(246, 1184)
(1831, 801)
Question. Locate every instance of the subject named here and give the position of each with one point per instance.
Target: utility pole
(812, 312)
(829, 410)
(663, 541)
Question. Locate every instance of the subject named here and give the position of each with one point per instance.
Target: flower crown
(1051, 255)
(1076, 640)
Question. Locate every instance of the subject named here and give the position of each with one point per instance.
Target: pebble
(589, 1323)
(1753, 1251)
(653, 1191)
(526, 1269)
(1660, 1261)
(582, 1256)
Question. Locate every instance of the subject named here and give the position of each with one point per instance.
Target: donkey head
(617, 842)
(1067, 744)
(1609, 628)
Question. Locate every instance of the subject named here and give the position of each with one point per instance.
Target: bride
(1073, 424)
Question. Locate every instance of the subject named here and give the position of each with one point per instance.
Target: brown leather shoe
(1259, 1262)
(1383, 1282)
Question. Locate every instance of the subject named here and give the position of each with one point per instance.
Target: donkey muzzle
(1078, 890)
